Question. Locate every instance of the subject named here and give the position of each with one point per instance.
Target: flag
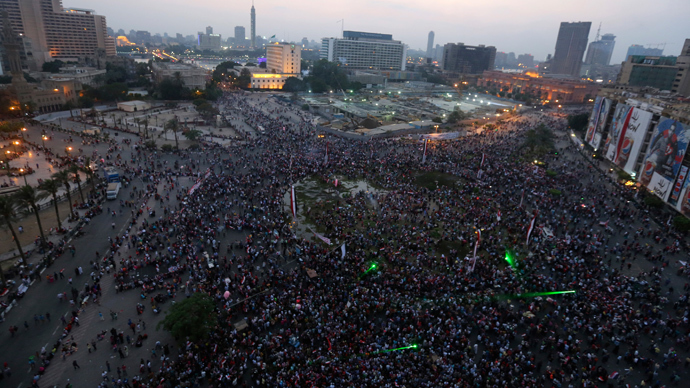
(498, 215)
(321, 237)
(336, 182)
(424, 155)
(476, 245)
(531, 226)
(273, 36)
(342, 249)
(326, 160)
(604, 224)
(293, 202)
(482, 163)
(522, 197)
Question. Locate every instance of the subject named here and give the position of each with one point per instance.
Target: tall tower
(430, 45)
(253, 37)
(570, 48)
(12, 46)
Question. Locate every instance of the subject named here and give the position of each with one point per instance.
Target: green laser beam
(373, 267)
(511, 260)
(533, 294)
(396, 349)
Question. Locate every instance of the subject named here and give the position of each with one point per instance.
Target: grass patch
(430, 179)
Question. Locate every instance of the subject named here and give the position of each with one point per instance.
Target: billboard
(618, 125)
(591, 127)
(683, 205)
(598, 123)
(664, 157)
(678, 186)
(631, 139)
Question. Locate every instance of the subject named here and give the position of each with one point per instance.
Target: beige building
(191, 76)
(283, 60)
(52, 32)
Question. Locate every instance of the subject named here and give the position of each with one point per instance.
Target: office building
(253, 27)
(663, 73)
(638, 49)
(239, 35)
(570, 48)
(208, 41)
(599, 52)
(53, 32)
(365, 50)
(525, 61)
(142, 37)
(430, 45)
(565, 91)
(283, 60)
(191, 76)
(463, 59)
(209, 30)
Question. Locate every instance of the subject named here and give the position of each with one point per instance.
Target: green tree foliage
(437, 119)
(52, 67)
(192, 318)
(220, 73)
(108, 92)
(578, 122)
(172, 89)
(652, 200)
(539, 141)
(294, 84)
(244, 79)
(326, 76)
(192, 134)
(681, 223)
(456, 115)
(207, 110)
(11, 126)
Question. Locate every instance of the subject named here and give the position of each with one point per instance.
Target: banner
(321, 237)
(683, 204)
(618, 128)
(675, 194)
(441, 136)
(664, 156)
(531, 226)
(293, 203)
(630, 145)
(424, 155)
(600, 123)
(591, 127)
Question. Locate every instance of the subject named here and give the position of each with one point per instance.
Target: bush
(151, 145)
(167, 147)
(653, 201)
(622, 175)
(305, 106)
(193, 147)
(682, 223)
(554, 192)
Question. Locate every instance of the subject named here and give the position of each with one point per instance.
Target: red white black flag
(293, 203)
(531, 226)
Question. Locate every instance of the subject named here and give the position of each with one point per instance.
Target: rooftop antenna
(342, 27)
(598, 31)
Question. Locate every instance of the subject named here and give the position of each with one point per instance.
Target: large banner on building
(630, 141)
(664, 157)
(591, 127)
(683, 204)
(618, 126)
(678, 186)
(599, 123)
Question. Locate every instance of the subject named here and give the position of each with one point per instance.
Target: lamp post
(22, 172)
(43, 139)
(22, 132)
(67, 150)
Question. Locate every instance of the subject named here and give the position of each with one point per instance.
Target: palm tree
(90, 174)
(63, 178)
(74, 170)
(146, 127)
(8, 215)
(28, 197)
(138, 122)
(51, 186)
(173, 125)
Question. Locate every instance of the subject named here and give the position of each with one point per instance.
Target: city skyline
(509, 26)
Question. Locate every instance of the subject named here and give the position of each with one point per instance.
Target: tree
(456, 115)
(192, 134)
(681, 223)
(8, 216)
(63, 178)
(90, 174)
(146, 127)
(206, 110)
(51, 186)
(28, 197)
(74, 171)
(52, 67)
(293, 84)
(174, 126)
(191, 319)
(578, 122)
(539, 141)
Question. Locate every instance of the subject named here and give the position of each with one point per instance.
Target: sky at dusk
(518, 26)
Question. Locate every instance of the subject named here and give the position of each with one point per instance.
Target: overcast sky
(518, 26)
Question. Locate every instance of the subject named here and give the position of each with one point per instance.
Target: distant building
(191, 76)
(142, 37)
(637, 49)
(239, 35)
(430, 45)
(253, 28)
(525, 61)
(566, 91)
(208, 41)
(663, 73)
(365, 50)
(459, 58)
(570, 48)
(599, 52)
(209, 30)
(283, 60)
(53, 32)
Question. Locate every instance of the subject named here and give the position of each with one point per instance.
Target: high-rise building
(53, 32)
(525, 61)
(664, 73)
(430, 45)
(209, 30)
(638, 49)
(570, 48)
(463, 59)
(365, 50)
(208, 41)
(599, 52)
(239, 35)
(284, 58)
(253, 31)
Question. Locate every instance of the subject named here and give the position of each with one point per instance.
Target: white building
(208, 41)
(365, 50)
(133, 106)
(283, 60)
(191, 76)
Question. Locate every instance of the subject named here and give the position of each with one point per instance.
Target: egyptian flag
(336, 182)
(498, 214)
(293, 202)
(531, 226)
(424, 155)
(482, 163)
(326, 160)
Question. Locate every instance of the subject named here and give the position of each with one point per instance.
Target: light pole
(22, 171)
(67, 150)
(43, 139)
(22, 132)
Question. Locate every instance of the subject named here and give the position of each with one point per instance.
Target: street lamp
(21, 171)
(43, 139)
(67, 150)
(22, 132)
